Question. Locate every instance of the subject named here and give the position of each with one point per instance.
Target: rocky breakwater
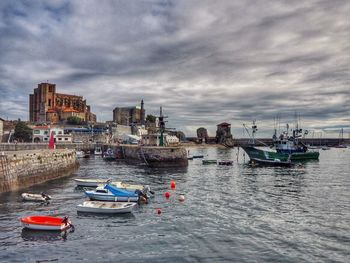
(155, 156)
(20, 169)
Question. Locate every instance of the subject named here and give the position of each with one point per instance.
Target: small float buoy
(159, 211)
(167, 194)
(181, 198)
(172, 185)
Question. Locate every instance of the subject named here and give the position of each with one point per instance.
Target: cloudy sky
(205, 62)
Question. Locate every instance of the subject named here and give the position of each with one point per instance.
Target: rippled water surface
(231, 213)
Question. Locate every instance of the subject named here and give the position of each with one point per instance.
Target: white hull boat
(46, 223)
(96, 182)
(80, 154)
(98, 151)
(35, 197)
(106, 207)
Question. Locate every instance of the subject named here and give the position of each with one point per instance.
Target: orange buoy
(159, 211)
(167, 194)
(172, 185)
(181, 198)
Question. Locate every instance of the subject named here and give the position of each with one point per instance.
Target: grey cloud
(203, 61)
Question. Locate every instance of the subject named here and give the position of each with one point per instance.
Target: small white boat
(46, 223)
(35, 197)
(96, 182)
(98, 150)
(80, 154)
(106, 207)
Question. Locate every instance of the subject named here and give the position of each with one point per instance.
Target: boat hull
(45, 223)
(97, 182)
(255, 153)
(109, 197)
(105, 207)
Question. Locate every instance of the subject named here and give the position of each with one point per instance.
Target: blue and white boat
(114, 194)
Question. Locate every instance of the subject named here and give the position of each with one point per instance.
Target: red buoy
(167, 194)
(173, 185)
(159, 211)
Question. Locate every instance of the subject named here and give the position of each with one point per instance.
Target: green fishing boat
(284, 145)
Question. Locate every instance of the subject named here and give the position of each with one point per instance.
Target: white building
(42, 134)
(154, 139)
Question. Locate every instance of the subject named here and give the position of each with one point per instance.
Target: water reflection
(43, 235)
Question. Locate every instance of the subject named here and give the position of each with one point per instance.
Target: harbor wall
(20, 169)
(156, 156)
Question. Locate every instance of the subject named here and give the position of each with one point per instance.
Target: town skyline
(203, 62)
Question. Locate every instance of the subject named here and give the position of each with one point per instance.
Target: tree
(74, 120)
(151, 118)
(23, 132)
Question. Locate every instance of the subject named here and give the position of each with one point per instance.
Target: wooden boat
(35, 197)
(209, 161)
(106, 207)
(96, 182)
(46, 223)
(266, 162)
(190, 158)
(225, 162)
(198, 156)
(325, 148)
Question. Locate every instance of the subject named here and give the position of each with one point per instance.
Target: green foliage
(151, 118)
(22, 132)
(74, 120)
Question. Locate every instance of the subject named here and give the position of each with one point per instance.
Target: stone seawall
(20, 169)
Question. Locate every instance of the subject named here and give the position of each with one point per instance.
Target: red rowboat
(46, 223)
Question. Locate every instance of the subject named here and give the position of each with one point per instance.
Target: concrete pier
(20, 169)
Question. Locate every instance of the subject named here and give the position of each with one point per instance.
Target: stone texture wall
(20, 169)
(157, 156)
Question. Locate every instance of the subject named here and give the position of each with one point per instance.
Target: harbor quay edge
(20, 169)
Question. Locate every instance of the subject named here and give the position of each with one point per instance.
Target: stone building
(223, 132)
(129, 115)
(45, 105)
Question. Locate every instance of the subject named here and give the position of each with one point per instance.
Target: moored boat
(199, 156)
(98, 150)
(285, 147)
(109, 155)
(225, 162)
(80, 154)
(106, 207)
(35, 197)
(96, 182)
(46, 223)
(266, 162)
(115, 194)
(209, 161)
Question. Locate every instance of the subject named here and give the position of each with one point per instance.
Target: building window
(49, 103)
(45, 139)
(60, 132)
(50, 89)
(46, 132)
(60, 139)
(36, 132)
(66, 139)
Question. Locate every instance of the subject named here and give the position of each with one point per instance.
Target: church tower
(143, 117)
